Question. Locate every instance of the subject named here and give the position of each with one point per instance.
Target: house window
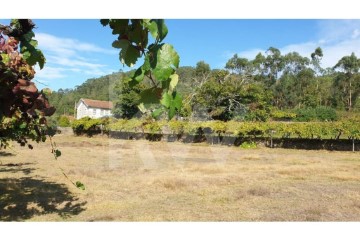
(102, 112)
(94, 112)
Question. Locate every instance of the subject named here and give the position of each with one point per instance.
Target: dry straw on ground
(159, 181)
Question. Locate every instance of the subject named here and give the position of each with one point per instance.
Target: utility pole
(75, 109)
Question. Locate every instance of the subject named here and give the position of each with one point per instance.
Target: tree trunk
(350, 104)
(353, 144)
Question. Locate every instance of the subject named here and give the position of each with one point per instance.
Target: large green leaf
(119, 26)
(120, 44)
(140, 72)
(151, 96)
(156, 113)
(136, 34)
(139, 75)
(153, 29)
(172, 102)
(128, 54)
(166, 100)
(166, 61)
(28, 36)
(31, 54)
(177, 101)
(174, 79)
(162, 29)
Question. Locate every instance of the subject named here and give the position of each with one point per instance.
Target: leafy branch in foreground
(159, 66)
(23, 108)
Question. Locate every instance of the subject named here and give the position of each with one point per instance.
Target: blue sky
(77, 50)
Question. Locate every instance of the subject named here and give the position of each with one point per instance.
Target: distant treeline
(271, 86)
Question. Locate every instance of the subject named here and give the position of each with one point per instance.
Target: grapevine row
(349, 129)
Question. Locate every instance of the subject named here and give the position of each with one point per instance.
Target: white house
(93, 108)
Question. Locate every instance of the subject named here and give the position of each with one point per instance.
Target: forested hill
(96, 88)
(107, 87)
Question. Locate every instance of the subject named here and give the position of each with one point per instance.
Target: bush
(257, 115)
(305, 114)
(321, 113)
(324, 113)
(64, 121)
(279, 115)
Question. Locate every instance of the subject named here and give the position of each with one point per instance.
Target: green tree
(223, 98)
(241, 67)
(350, 66)
(126, 105)
(274, 64)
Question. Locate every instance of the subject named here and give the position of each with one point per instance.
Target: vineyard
(231, 132)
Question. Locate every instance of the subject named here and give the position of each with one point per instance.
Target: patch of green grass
(248, 145)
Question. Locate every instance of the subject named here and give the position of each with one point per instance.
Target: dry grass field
(159, 181)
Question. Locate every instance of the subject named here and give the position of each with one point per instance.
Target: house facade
(93, 108)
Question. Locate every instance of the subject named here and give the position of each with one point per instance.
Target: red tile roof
(98, 103)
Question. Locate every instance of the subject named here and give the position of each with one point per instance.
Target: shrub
(64, 121)
(321, 113)
(324, 113)
(280, 115)
(257, 115)
(305, 114)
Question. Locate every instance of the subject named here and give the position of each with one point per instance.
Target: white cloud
(49, 73)
(71, 62)
(337, 30)
(337, 38)
(68, 46)
(66, 57)
(355, 34)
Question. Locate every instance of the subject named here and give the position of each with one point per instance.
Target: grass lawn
(159, 181)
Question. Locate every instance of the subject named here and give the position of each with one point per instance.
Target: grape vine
(23, 108)
(159, 66)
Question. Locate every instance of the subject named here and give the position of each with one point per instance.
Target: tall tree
(241, 67)
(350, 65)
(274, 63)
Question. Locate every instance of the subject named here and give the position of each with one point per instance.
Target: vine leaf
(80, 185)
(174, 79)
(151, 96)
(162, 29)
(157, 28)
(152, 26)
(31, 54)
(128, 54)
(156, 113)
(165, 63)
(140, 72)
(172, 102)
